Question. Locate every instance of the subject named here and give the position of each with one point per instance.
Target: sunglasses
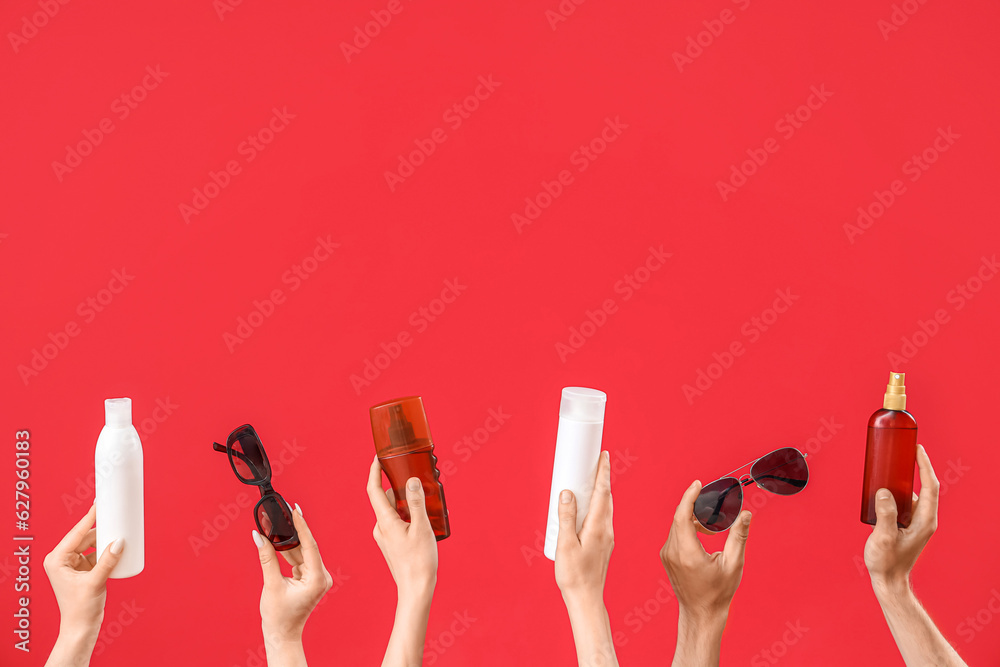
(249, 462)
(783, 472)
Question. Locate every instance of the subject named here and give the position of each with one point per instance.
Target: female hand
(409, 549)
(79, 582)
(582, 559)
(582, 566)
(286, 602)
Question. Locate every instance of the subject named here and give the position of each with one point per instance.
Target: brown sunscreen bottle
(890, 454)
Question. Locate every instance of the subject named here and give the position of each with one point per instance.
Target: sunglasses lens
(783, 472)
(719, 503)
(248, 456)
(274, 520)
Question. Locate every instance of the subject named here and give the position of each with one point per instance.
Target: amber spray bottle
(890, 454)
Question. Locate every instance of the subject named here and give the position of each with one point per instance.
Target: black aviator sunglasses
(784, 472)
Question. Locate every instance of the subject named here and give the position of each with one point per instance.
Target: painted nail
(257, 539)
(117, 546)
(565, 496)
(298, 509)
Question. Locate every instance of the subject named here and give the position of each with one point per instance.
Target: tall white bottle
(578, 452)
(118, 475)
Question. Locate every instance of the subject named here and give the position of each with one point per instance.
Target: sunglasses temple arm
(219, 448)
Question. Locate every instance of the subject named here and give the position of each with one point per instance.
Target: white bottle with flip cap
(578, 452)
(118, 481)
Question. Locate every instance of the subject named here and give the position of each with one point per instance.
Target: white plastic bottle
(578, 452)
(118, 475)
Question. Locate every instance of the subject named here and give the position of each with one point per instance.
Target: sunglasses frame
(740, 483)
(264, 484)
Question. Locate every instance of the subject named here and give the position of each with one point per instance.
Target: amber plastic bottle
(404, 447)
(890, 454)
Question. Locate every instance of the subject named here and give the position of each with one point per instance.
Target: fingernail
(117, 546)
(746, 518)
(884, 495)
(607, 455)
(695, 483)
(413, 484)
(565, 496)
(257, 539)
(298, 509)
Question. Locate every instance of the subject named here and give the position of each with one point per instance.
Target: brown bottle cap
(400, 426)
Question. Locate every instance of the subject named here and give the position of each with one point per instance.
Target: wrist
(890, 589)
(416, 592)
(278, 637)
(580, 599)
(78, 634)
(701, 621)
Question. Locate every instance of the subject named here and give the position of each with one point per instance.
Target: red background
(495, 346)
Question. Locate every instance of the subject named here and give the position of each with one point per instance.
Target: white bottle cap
(118, 411)
(583, 405)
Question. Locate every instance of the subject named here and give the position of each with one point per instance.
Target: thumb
(106, 564)
(268, 559)
(736, 542)
(567, 519)
(885, 512)
(417, 503)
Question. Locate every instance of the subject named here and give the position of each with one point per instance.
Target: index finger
(310, 550)
(73, 540)
(384, 512)
(927, 501)
(683, 526)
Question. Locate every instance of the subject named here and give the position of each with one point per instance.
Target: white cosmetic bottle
(118, 475)
(578, 452)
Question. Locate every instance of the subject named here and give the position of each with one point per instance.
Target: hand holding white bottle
(118, 475)
(578, 451)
